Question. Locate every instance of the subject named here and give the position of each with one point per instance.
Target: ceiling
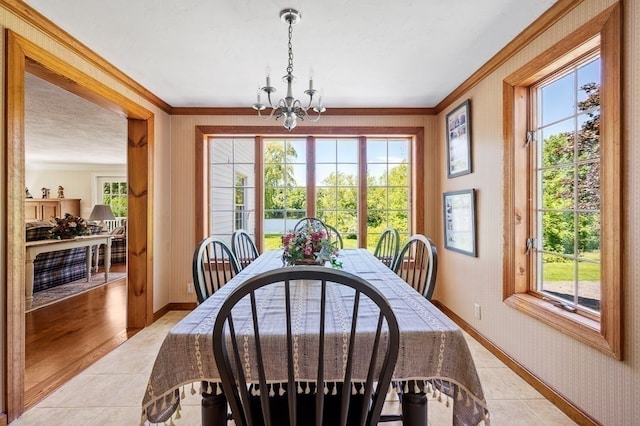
(364, 54)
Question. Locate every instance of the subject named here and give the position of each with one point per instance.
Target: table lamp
(100, 213)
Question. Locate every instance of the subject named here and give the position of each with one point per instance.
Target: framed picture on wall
(460, 221)
(458, 124)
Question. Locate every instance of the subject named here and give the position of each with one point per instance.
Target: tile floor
(110, 391)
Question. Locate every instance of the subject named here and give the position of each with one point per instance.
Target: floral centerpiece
(309, 246)
(68, 227)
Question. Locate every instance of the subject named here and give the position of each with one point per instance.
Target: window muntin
(388, 188)
(285, 182)
(113, 192)
(230, 158)
(566, 113)
(241, 202)
(336, 185)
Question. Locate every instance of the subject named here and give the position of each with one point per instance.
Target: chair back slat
(346, 384)
(320, 378)
(417, 264)
(213, 266)
(368, 390)
(248, 344)
(242, 388)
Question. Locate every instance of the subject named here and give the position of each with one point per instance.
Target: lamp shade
(101, 212)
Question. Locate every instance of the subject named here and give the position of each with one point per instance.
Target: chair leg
(414, 409)
(214, 410)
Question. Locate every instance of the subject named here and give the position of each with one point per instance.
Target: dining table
(433, 360)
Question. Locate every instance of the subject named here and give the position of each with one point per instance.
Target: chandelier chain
(289, 108)
(290, 66)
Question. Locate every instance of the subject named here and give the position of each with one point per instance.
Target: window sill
(577, 326)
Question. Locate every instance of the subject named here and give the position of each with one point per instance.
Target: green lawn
(564, 271)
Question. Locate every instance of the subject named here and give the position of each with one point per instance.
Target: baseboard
(566, 406)
(190, 306)
(3, 419)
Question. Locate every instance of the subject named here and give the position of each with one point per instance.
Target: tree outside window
(114, 194)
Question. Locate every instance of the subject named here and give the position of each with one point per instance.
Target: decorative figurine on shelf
(60, 191)
(45, 192)
(27, 193)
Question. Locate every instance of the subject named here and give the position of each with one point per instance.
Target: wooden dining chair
(417, 264)
(277, 406)
(243, 247)
(214, 264)
(388, 246)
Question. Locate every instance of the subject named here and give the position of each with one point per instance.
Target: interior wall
(183, 181)
(161, 197)
(604, 388)
(78, 181)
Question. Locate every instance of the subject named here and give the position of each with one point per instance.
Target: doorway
(23, 56)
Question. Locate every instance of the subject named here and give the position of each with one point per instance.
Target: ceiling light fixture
(289, 107)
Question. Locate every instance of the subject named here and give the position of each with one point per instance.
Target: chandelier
(289, 107)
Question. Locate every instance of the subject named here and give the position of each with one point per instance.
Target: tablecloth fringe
(438, 389)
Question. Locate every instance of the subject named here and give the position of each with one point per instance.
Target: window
(241, 202)
(232, 197)
(562, 185)
(358, 185)
(336, 182)
(388, 188)
(285, 183)
(113, 192)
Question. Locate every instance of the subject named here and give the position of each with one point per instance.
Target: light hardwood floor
(66, 337)
(110, 391)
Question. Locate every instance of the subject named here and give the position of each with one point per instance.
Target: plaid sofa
(118, 246)
(58, 267)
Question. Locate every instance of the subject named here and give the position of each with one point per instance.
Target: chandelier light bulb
(289, 107)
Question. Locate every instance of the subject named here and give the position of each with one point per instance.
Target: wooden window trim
(604, 335)
(203, 133)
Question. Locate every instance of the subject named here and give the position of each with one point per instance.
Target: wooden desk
(34, 248)
(434, 355)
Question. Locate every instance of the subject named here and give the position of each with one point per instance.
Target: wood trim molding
(15, 272)
(546, 20)
(22, 55)
(417, 133)
(316, 130)
(33, 17)
(572, 411)
(185, 306)
(607, 334)
(330, 111)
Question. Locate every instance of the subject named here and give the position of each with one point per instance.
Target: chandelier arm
(312, 118)
(269, 99)
(271, 114)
